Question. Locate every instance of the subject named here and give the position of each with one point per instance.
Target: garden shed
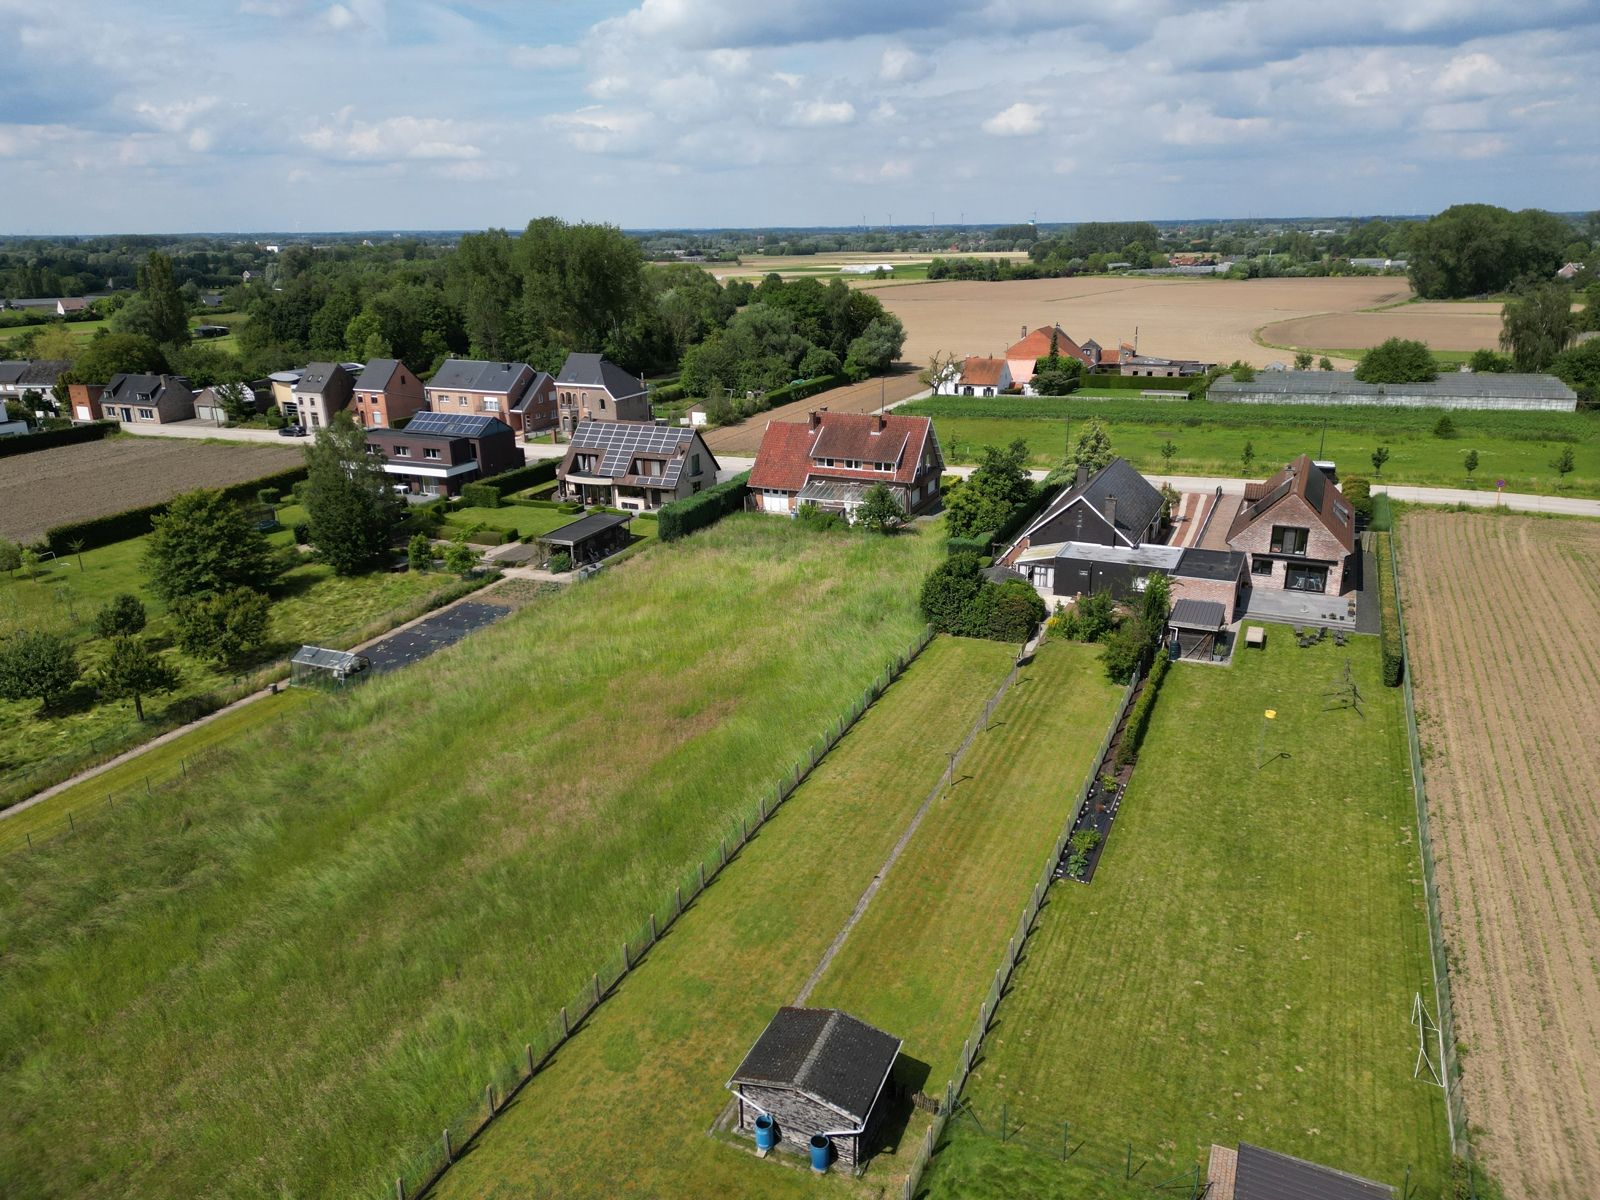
(1196, 625)
(317, 666)
(589, 538)
(816, 1072)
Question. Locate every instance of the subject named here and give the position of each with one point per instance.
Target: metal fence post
(527, 1052)
(448, 1156)
(566, 1030)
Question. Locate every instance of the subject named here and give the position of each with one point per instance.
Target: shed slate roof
(1268, 1175)
(478, 375)
(1198, 614)
(576, 532)
(826, 1054)
(595, 370)
(1462, 384)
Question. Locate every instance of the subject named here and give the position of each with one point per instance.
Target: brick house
(320, 393)
(535, 412)
(147, 399)
(478, 387)
(1298, 531)
(589, 387)
(1022, 355)
(831, 459)
(437, 453)
(634, 465)
(384, 393)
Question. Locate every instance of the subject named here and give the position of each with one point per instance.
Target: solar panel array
(451, 424)
(621, 440)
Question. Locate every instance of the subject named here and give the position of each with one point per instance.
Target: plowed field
(1502, 614)
(73, 483)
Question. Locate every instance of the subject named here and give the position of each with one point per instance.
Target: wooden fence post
(527, 1052)
(597, 989)
(652, 929)
(399, 1188)
(626, 965)
(723, 849)
(488, 1098)
(702, 877)
(448, 1156)
(566, 1030)
(677, 901)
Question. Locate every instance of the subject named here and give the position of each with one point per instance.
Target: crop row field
(291, 969)
(74, 483)
(1243, 966)
(1209, 438)
(1501, 613)
(918, 963)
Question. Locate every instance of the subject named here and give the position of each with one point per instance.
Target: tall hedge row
(1139, 717)
(1394, 655)
(48, 439)
(522, 478)
(135, 522)
(683, 517)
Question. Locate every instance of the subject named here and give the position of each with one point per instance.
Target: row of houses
(985, 375)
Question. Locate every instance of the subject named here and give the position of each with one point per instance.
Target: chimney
(1111, 518)
(814, 418)
(1083, 477)
(877, 422)
(1024, 331)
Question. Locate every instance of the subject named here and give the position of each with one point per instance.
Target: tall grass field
(276, 979)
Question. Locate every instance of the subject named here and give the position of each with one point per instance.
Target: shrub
(419, 552)
(460, 558)
(683, 517)
(947, 591)
(269, 496)
(480, 495)
(1398, 360)
(812, 517)
(221, 627)
(1357, 490)
(35, 665)
(1444, 427)
(1139, 717)
(1389, 616)
(1125, 649)
(1004, 612)
(122, 616)
(302, 533)
(560, 562)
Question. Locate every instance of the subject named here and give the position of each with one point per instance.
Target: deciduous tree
(132, 670)
(35, 665)
(204, 543)
(879, 510)
(1537, 325)
(1398, 360)
(1093, 451)
(222, 627)
(351, 507)
(122, 616)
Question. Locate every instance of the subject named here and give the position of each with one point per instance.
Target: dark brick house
(437, 453)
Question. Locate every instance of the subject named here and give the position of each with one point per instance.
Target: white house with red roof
(979, 375)
(831, 459)
(1021, 356)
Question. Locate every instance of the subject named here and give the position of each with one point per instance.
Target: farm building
(816, 1072)
(1251, 1173)
(1459, 389)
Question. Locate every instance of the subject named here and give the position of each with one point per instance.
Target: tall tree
(351, 507)
(1536, 325)
(205, 543)
(222, 627)
(158, 310)
(1093, 451)
(132, 670)
(1398, 360)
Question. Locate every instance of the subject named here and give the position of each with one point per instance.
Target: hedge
(48, 439)
(791, 392)
(1144, 383)
(683, 517)
(480, 495)
(520, 478)
(966, 545)
(1024, 512)
(1139, 717)
(1394, 655)
(136, 522)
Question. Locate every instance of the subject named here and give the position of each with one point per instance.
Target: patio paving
(1314, 608)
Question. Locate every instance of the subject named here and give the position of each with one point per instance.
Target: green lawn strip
(519, 517)
(972, 1165)
(662, 1048)
(324, 942)
(1243, 965)
(1416, 456)
(924, 954)
(159, 767)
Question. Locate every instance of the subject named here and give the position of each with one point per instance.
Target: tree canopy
(1398, 360)
(1536, 325)
(205, 543)
(351, 507)
(111, 354)
(36, 665)
(996, 486)
(157, 310)
(1475, 249)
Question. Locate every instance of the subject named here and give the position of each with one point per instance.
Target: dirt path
(1502, 613)
(745, 437)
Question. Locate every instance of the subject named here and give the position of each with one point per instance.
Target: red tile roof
(982, 372)
(1300, 478)
(785, 460)
(1037, 345)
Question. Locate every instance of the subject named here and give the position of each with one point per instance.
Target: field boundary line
(1455, 1102)
(973, 1046)
(557, 1031)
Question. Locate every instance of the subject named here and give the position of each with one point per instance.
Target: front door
(1302, 577)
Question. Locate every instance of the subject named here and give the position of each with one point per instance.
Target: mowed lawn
(291, 972)
(1209, 439)
(1244, 963)
(655, 1057)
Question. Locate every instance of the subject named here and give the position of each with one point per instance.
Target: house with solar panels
(437, 453)
(510, 392)
(636, 466)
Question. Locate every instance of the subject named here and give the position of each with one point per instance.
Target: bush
(480, 495)
(1394, 663)
(122, 616)
(47, 439)
(1398, 360)
(683, 517)
(1358, 491)
(1003, 612)
(560, 562)
(419, 552)
(269, 496)
(821, 520)
(966, 545)
(1139, 717)
(302, 533)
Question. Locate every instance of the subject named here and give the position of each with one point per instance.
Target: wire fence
(1450, 1066)
(423, 1168)
(971, 1047)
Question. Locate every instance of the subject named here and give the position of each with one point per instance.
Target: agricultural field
(1500, 616)
(744, 438)
(324, 942)
(309, 604)
(81, 331)
(1214, 320)
(74, 483)
(1209, 439)
(1244, 964)
(918, 963)
(1449, 325)
(797, 266)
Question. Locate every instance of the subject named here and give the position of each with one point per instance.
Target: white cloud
(902, 65)
(1019, 120)
(597, 130)
(390, 140)
(1197, 125)
(824, 112)
(544, 58)
(1488, 147)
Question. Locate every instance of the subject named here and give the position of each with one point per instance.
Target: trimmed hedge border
(136, 522)
(683, 517)
(480, 494)
(1139, 719)
(519, 478)
(1394, 655)
(49, 439)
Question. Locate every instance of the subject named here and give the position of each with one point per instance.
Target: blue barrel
(766, 1132)
(820, 1148)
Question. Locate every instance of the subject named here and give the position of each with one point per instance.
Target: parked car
(292, 431)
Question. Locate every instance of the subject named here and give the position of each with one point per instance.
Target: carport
(590, 538)
(1195, 625)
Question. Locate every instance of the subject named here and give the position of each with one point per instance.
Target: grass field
(1244, 964)
(309, 604)
(81, 332)
(918, 963)
(290, 971)
(1209, 438)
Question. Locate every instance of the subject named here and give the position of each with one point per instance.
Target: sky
(285, 115)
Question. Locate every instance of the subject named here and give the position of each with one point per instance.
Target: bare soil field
(73, 483)
(1208, 319)
(1501, 613)
(1444, 326)
(744, 439)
